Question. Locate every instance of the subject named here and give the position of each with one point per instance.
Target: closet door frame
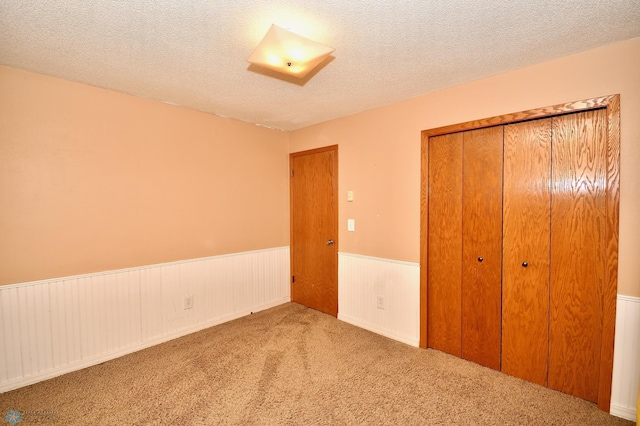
(611, 104)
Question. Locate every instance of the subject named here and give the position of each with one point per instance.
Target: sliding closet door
(482, 246)
(525, 286)
(445, 243)
(578, 221)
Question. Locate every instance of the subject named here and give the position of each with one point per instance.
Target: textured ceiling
(193, 53)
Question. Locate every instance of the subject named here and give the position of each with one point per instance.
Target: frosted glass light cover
(289, 53)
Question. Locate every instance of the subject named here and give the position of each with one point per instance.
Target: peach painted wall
(94, 180)
(379, 150)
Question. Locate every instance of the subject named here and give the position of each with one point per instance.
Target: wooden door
(527, 228)
(445, 243)
(578, 235)
(482, 246)
(314, 228)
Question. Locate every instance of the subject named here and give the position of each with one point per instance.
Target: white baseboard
(623, 412)
(409, 340)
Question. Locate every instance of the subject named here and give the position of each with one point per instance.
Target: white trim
(623, 412)
(137, 268)
(629, 298)
(379, 259)
(375, 329)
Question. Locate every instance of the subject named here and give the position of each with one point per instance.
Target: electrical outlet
(380, 302)
(188, 302)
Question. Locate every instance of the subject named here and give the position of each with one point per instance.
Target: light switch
(351, 225)
(349, 195)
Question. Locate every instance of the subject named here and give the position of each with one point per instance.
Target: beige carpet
(293, 365)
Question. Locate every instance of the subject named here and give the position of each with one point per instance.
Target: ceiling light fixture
(289, 53)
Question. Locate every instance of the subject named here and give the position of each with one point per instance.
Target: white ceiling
(193, 52)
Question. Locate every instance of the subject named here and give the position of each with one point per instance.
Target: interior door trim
(612, 105)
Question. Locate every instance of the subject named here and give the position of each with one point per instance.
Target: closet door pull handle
(525, 264)
(480, 259)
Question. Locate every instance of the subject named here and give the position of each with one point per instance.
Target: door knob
(525, 264)
(480, 259)
(330, 242)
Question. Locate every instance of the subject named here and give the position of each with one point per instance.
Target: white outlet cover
(188, 302)
(351, 225)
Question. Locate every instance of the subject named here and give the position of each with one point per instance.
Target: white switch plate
(380, 302)
(349, 195)
(351, 225)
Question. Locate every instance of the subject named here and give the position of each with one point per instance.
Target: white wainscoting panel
(361, 279)
(626, 358)
(52, 327)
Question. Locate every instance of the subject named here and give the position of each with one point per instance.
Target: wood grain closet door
(577, 252)
(527, 228)
(482, 246)
(444, 243)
